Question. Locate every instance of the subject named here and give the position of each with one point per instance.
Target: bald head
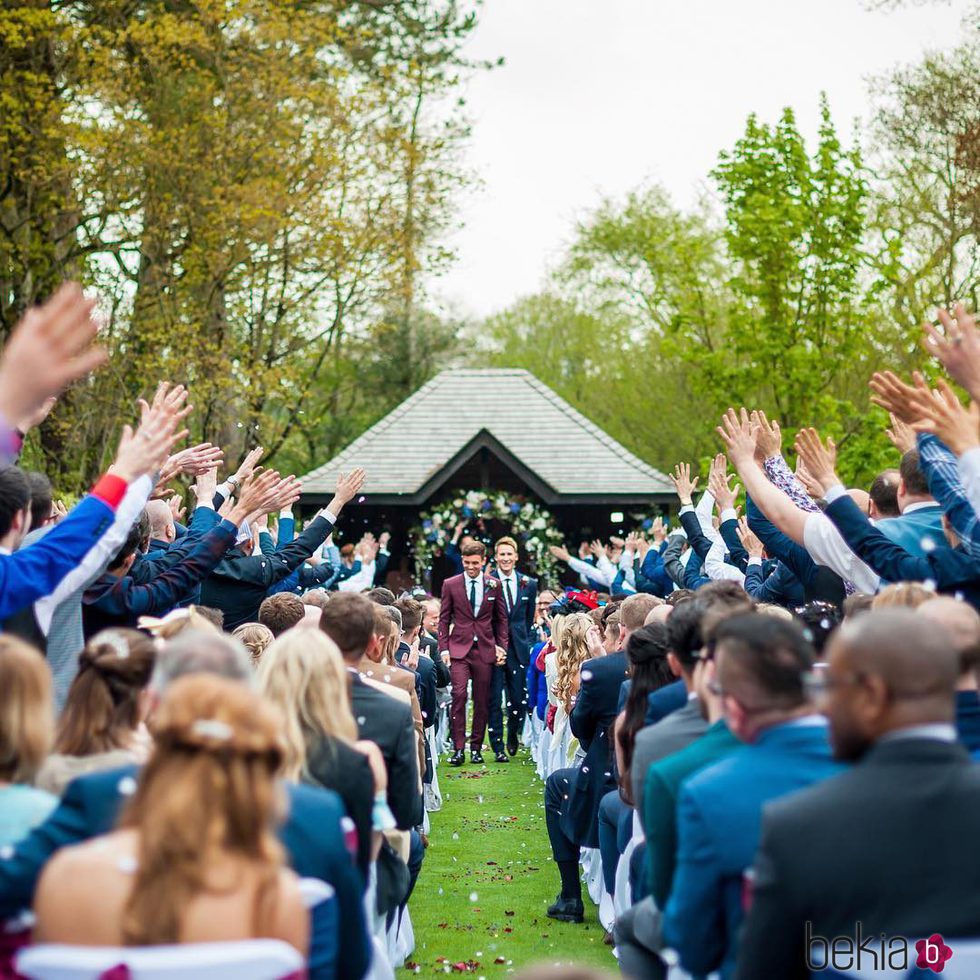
(861, 497)
(962, 622)
(161, 520)
(888, 669)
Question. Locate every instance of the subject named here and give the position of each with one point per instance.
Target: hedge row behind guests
(312, 831)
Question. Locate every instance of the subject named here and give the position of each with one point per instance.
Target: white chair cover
(380, 967)
(432, 795)
(544, 748)
(252, 959)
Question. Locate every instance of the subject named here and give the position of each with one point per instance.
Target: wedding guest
(303, 674)
(761, 663)
(255, 638)
(570, 636)
(888, 693)
(102, 725)
(281, 611)
(195, 858)
(26, 730)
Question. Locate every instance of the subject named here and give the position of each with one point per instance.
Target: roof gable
(415, 448)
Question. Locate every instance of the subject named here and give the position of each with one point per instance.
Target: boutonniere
(492, 583)
(524, 581)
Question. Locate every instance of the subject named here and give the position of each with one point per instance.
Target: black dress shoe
(476, 756)
(512, 744)
(501, 756)
(567, 910)
(457, 758)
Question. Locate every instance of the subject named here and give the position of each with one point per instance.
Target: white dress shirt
(508, 581)
(827, 547)
(468, 582)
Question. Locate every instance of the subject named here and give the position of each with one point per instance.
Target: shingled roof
(415, 449)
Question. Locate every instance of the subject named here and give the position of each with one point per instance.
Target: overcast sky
(599, 96)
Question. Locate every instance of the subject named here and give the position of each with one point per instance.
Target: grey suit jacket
(667, 736)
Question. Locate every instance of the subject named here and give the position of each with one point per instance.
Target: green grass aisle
(488, 879)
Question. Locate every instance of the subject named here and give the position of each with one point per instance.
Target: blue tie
(473, 594)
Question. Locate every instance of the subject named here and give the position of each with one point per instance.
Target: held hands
(501, 656)
(683, 484)
(818, 459)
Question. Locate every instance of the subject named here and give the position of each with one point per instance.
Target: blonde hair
(908, 594)
(571, 651)
(256, 638)
(303, 673)
(776, 612)
(176, 622)
(26, 717)
(208, 789)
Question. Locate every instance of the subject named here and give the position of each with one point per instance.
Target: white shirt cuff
(754, 560)
(330, 515)
(687, 509)
(834, 493)
(728, 514)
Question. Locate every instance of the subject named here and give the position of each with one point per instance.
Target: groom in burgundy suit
(472, 625)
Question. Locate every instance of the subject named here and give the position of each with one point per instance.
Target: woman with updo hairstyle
(646, 652)
(102, 723)
(195, 857)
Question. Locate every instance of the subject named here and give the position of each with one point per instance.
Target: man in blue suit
(761, 663)
(919, 528)
(509, 682)
(313, 833)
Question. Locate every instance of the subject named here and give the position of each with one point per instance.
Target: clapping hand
(957, 347)
(683, 484)
(819, 459)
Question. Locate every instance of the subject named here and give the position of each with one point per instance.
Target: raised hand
(384, 538)
(658, 530)
(957, 347)
(287, 492)
(900, 434)
(811, 486)
(48, 349)
(683, 484)
(597, 549)
(205, 487)
(559, 552)
(146, 450)
(819, 459)
(247, 466)
(740, 436)
(177, 509)
(593, 640)
(257, 495)
(769, 437)
(197, 459)
(899, 399)
(749, 541)
(720, 489)
(946, 418)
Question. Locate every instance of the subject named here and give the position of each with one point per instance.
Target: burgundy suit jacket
(489, 627)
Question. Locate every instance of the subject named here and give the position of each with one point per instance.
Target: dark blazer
(719, 812)
(312, 835)
(335, 765)
(425, 687)
(389, 724)
(431, 646)
(488, 628)
(664, 701)
(774, 583)
(952, 569)
(239, 583)
(590, 722)
(968, 719)
(520, 619)
(895, 849)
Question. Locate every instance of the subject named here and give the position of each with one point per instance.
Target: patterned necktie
(510, 595)
(473, 594)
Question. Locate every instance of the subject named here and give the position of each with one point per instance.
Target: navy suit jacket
(952, 569)
(590, 722)
(521, 616)
(312, 835)
(665, 701)
(719, 816)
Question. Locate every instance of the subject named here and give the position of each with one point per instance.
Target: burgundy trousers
(461, 672)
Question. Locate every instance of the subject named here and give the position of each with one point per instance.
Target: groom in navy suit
(509, 680)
